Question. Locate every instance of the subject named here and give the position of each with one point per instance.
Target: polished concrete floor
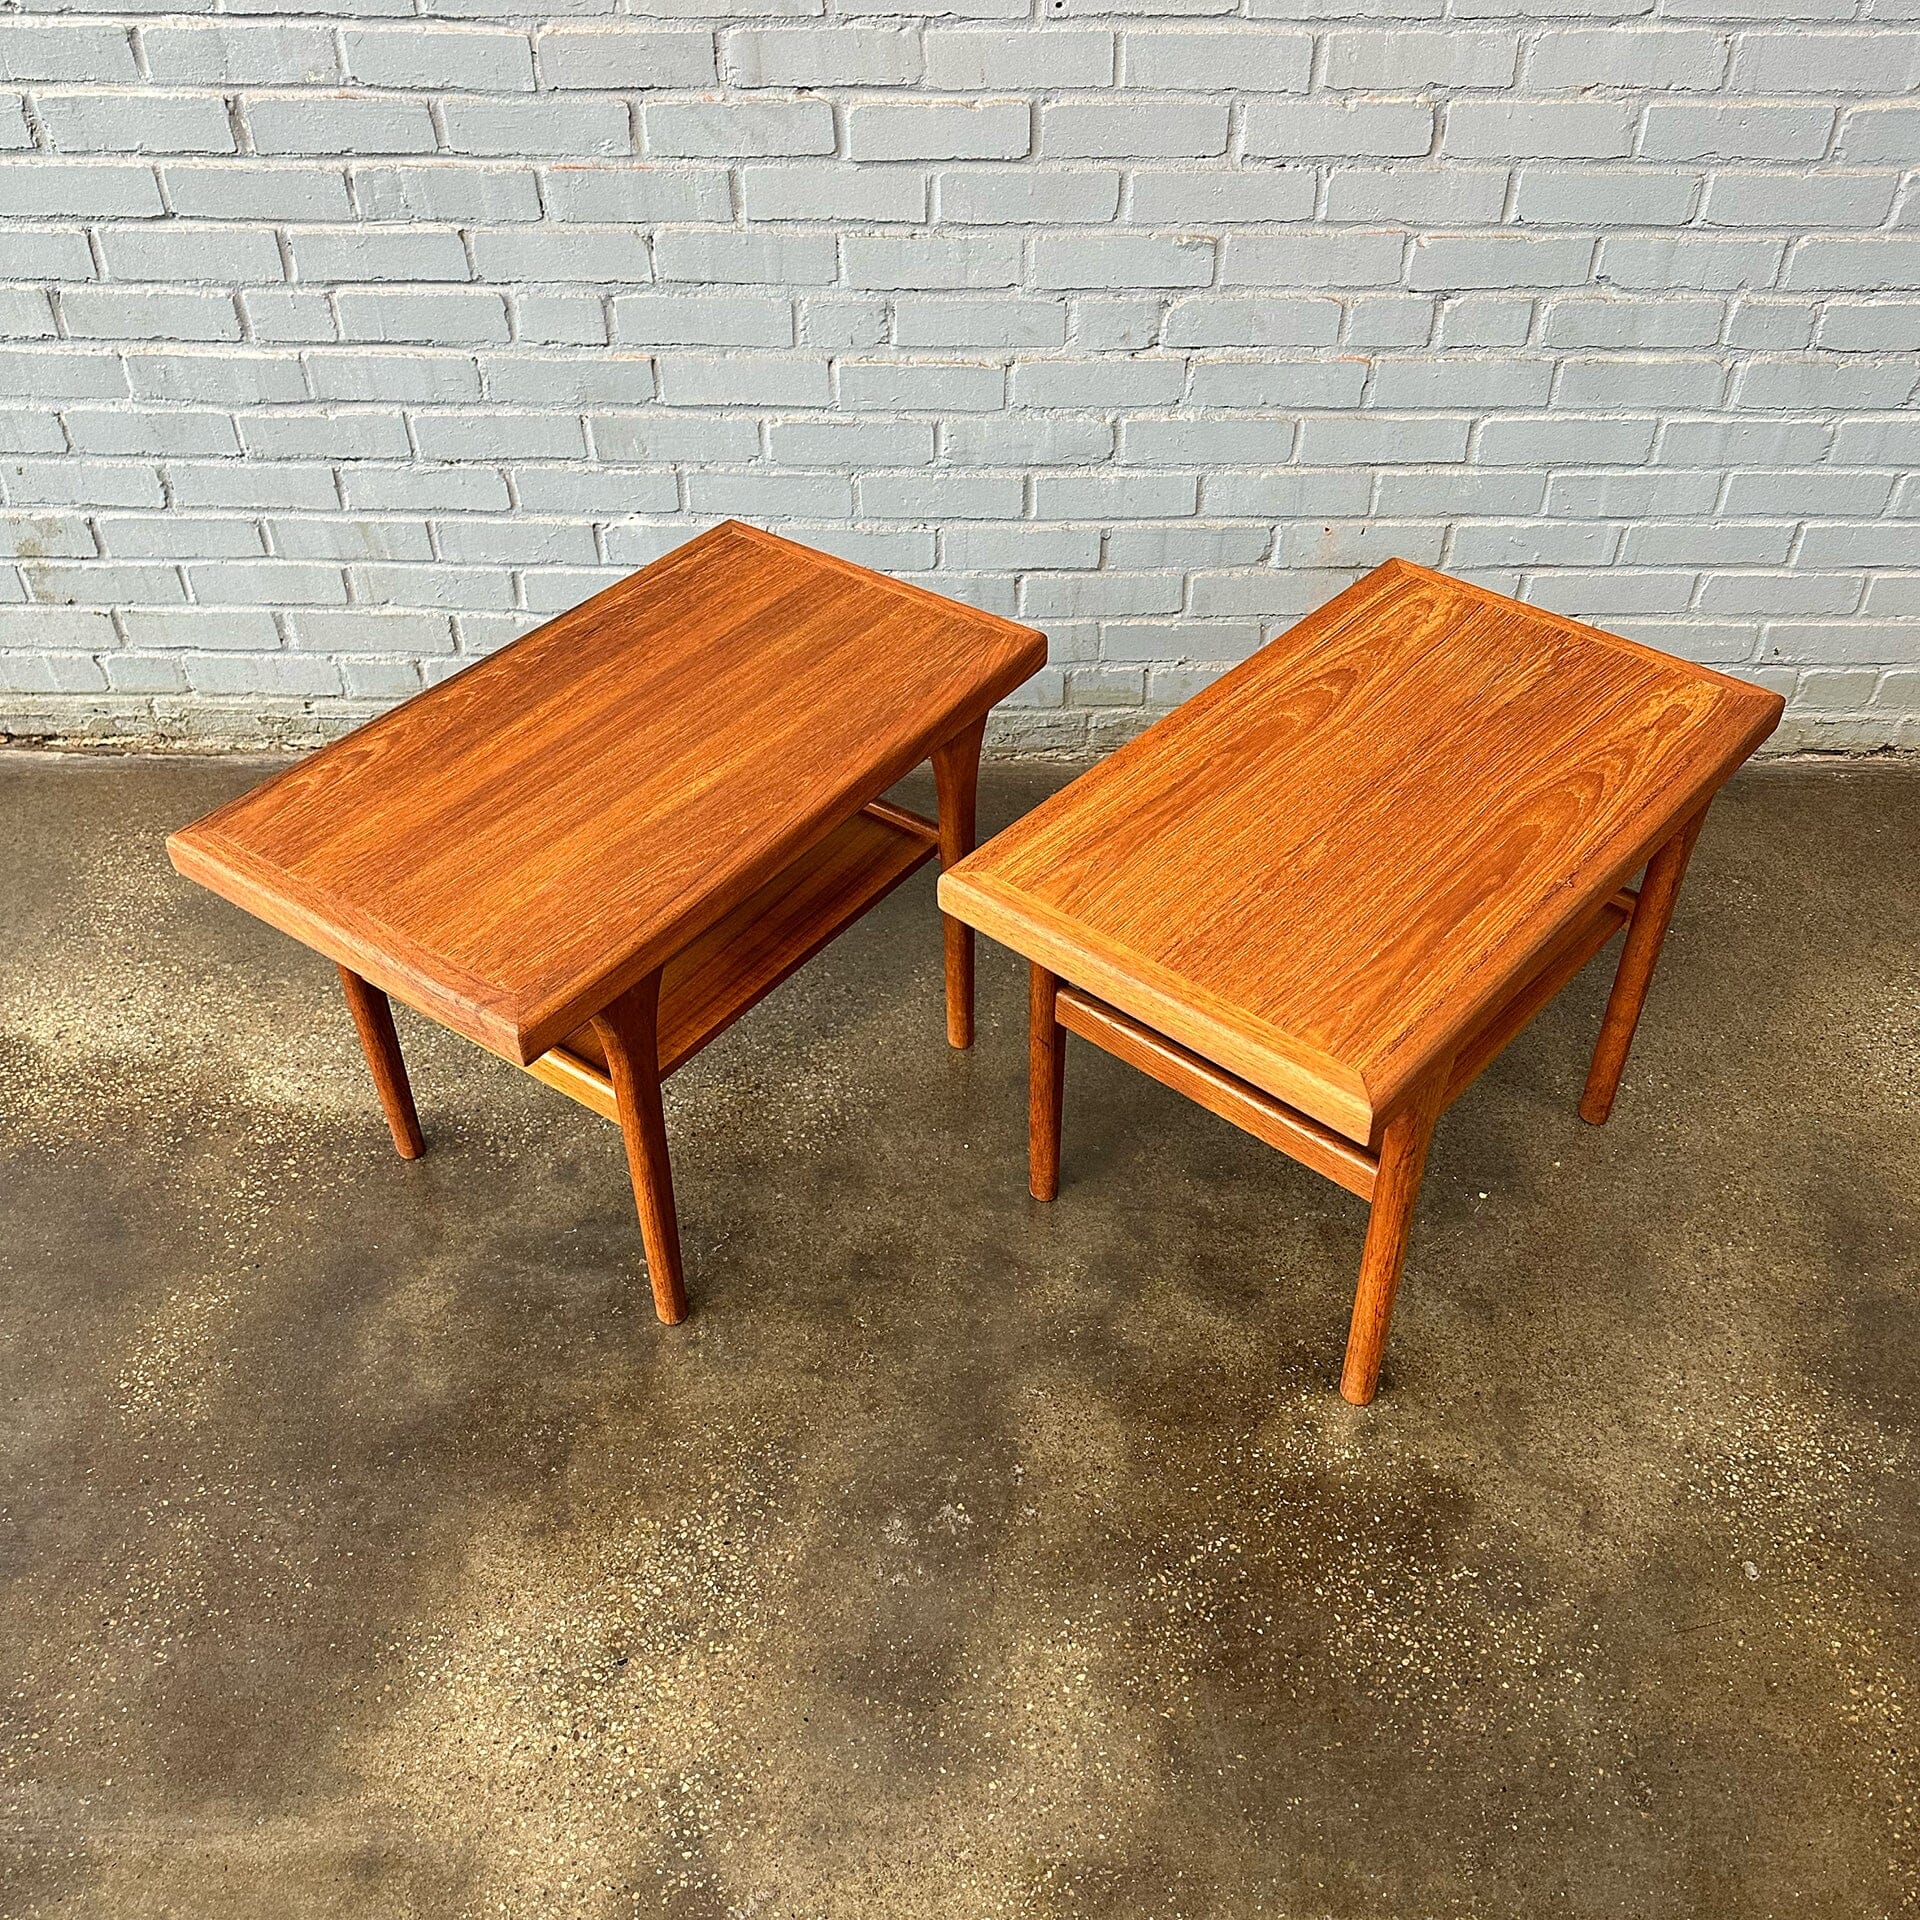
(368, 1549)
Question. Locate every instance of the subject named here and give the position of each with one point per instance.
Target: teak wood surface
(511, 850)
(1325, 870)
(1321, 897)
(595, 850)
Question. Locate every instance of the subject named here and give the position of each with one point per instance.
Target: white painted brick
(745, 379)
(1555, 129)
(239, 53)
(1793, 200)
(739, 130)
(1313, 259)
(1170, 199)
(1799, 61)
(66, 51)
(1238, 321)
(1218, 60)
(445, 190)
(44, 253)
(550, 125)
(851, 443)
(151, 431)
(432, 57)
(176, 250)
(248, 190)
(360, 375)
(623, 58)
(1609, 196)
(1639, 384)
(549, 379)
(1733, 130)
(1883, 134)
(545, 255)
(842, 321)
(933, 262)
(40, 189)
(149, 313)
(1027, 196)
(157, 536)
(1204, 444)
(1120, 260)
(1520, 441)
(641, 194)
(1614, 495)
(1605, 320)
(1014, 439)
(1445, 261)
(371, 629)
(1271, 383)
(820, 56)
(834, 193)
(1667, 262)
(338, 123)
(238, 630)
(921, 387)
(1856, 265)
(377, 253)
(939, 496)
(1145, 129)
(1578, 59)
(1338, 129)
(25, 313)
(938, 130)
(713, 320)
(1876, 326)
(1449, 196)
(1458, 380)
(1802, 384)
(962, 61)
(1405, 59)
(135, 123)
(979, 323)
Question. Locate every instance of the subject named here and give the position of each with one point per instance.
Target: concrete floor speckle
(368, 1549)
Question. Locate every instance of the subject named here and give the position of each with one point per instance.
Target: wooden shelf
(743, 956)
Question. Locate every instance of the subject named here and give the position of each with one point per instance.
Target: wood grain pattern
(515, 848)
(1659, 893)
(1254, 1112)
(373, 1020)
(1332, 866)
(1046, 1083)
(956, 773)
(627, 1031)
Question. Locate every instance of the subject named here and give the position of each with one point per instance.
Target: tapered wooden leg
(956, 779)
(1646, 933)
(378, 1041)
(1046, 1084)
(1403, 1159)
(629, 1031)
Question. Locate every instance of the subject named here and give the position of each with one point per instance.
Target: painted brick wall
(342, 344)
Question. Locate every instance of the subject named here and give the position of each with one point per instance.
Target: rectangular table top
(1328, 868)
(512, 849)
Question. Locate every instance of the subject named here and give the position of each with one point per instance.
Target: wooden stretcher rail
(739, 960)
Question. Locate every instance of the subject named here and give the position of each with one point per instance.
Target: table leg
(374, 1018)
(1646, 932)
(956, 779)
(1403, 1159)
(1046, 1085)
(629, 1031)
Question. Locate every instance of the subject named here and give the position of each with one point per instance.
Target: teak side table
(1324, 894)
(594, 850)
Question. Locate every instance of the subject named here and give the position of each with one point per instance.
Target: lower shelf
(742, 957)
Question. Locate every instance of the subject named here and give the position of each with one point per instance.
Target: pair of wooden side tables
(1318, 899)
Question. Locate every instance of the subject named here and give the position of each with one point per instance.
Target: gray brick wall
(339, 348)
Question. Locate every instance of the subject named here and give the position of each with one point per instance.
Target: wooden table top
(1327, 869)
(512, 849)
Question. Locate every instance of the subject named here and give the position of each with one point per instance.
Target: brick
(744, 379)
(1169, 199)
(1449, 196)
(1604, 197)
(1120, 260)
(1498, 260)
(1878, 326)
(718, 320)
(921, 387)
(1802, 384)
(739, 129)
(1798, 200)
(201, 628)
(1485, 320)
(1638, 384)
(1094, 130)
(1759, 321)
(942, 496)
(1717, 130)
(446, 191)
(1338, 129)
(1868, 135)
(1803, 61)
(1028, 196)
(103, 583)
(935, 261)
(1630, 496)
(1605, 320)
(176, 250)
(285, 314)
(641, 194)
(545, 379)
(1404, 59)
(833, 193)
(371, 630)
(1577, 59)
(1856, 265)
(258, 53)
(1075, 595)
(1012, 439)
(543, 126)
(1187, 544)
(44, 253)
(1721, 543)
(1551, 129)
(338, 123)
(1563, 441)
(469, 316)
(967, 61)
(769, 495)
(979, 323)
(251, 484)
(66, 51)
(1382, 439)
(135, 123)
(435, 58)
(1217, 60)
(626, 59)
(247, 190)
(362, 254)
(417, 378)
(30, 374)
(851, 443)
(1283, 384)
(748, 258)
(1797, 493)
(371, 489)
(820, 56)
(831, 320)
(267, 583)
(1238, 321)
(1205, 444)
(315, 435)
(149, 313)
(1779, 593)
(45, 189)
(1458, 381)
(1735, 443)
(1665, 262)
(1103, 383)
(1312, 259)
(938, 130)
